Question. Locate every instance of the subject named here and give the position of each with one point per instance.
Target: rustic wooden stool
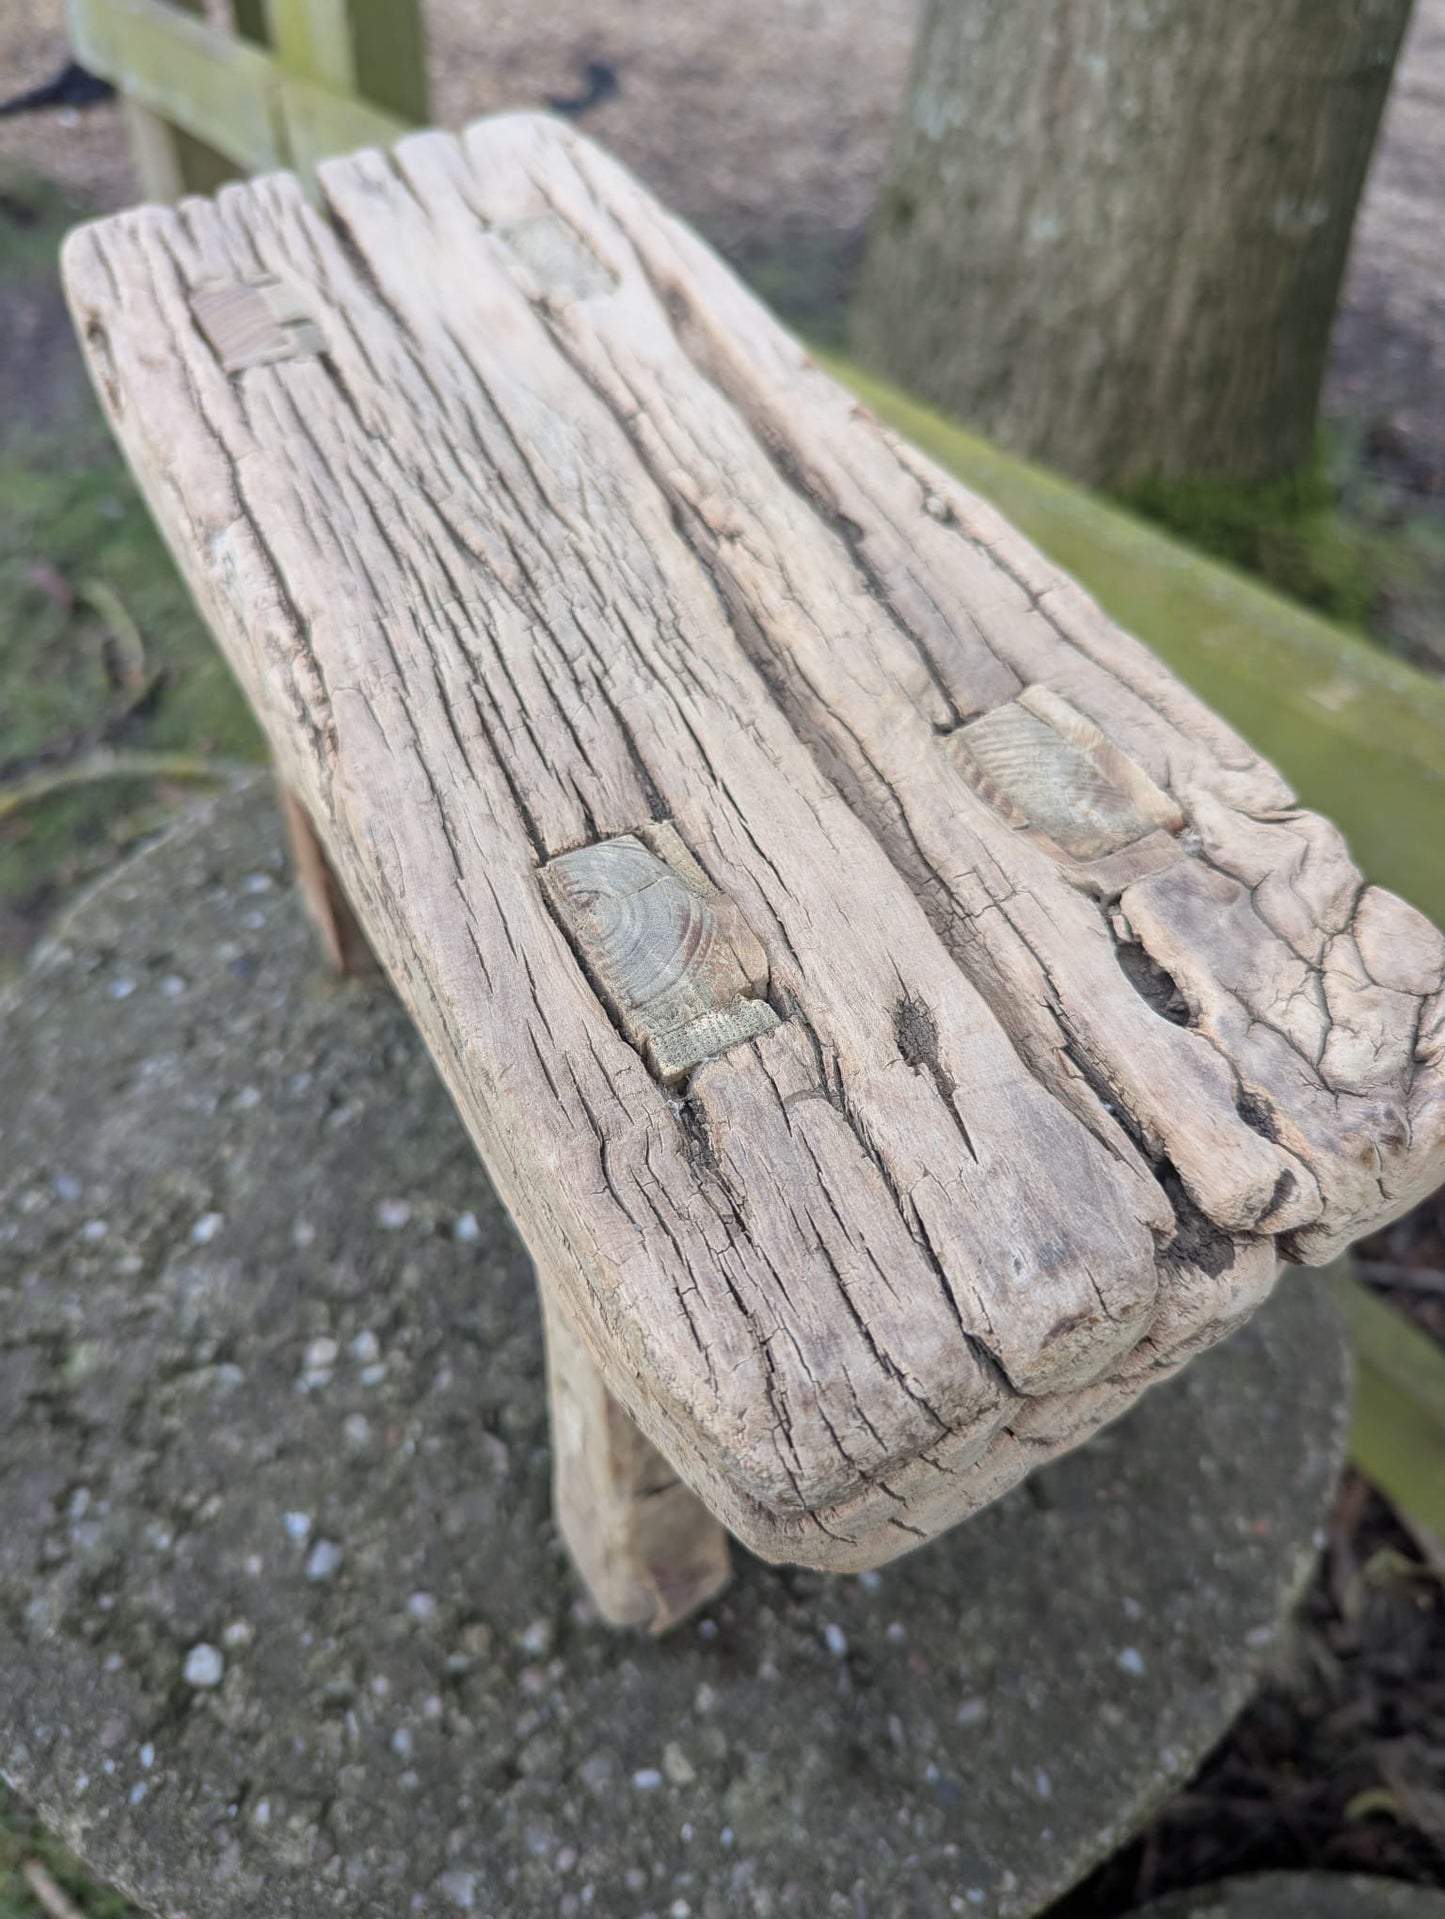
(903, 1022)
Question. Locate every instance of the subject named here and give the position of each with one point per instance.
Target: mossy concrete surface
(1360, 735)
(285, 1628)
(1302, 1895)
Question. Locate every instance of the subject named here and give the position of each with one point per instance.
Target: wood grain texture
(558, 539)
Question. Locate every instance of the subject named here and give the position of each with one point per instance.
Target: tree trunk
(1113, 231)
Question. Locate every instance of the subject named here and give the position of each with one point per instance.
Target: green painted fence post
(372, 49)
(340, 74)
(169, 162)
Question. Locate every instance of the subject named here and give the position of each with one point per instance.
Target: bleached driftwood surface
(1042, 1019)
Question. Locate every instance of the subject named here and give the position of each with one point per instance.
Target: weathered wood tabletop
(902, 1020)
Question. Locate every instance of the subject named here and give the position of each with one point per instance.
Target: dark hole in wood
(1258, 1114)
(1152, 983)
(98, 340)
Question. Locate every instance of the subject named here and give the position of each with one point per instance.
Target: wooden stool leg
(647, 1548)
(329, 910)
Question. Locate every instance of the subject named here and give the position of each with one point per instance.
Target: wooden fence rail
(294, 81)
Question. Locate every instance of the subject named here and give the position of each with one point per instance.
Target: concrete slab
(284, 1625)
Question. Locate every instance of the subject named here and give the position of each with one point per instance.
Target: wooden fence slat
(312, 38)
(212, 85)
(389, 53)
(372, 50)
(203, 104)
(169, 161)
(251, 21)
(321, 124)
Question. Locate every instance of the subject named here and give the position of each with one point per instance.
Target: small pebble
(466, 1227)
(460, 1888)
(1131, 1662)
(94, 1229)
(298, 1525)
(324, 1560)
(421, 1607)
(365, 1349)
(648, 1779)
(321, 1354)
(120, 989)
(836, 1640)
(677, 1765)
(536, 1641)
(393, 1214)
(66, 1188)
(205, 1667)
(206, 1228)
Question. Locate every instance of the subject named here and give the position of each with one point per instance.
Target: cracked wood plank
(870, 571)
(556, 540)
